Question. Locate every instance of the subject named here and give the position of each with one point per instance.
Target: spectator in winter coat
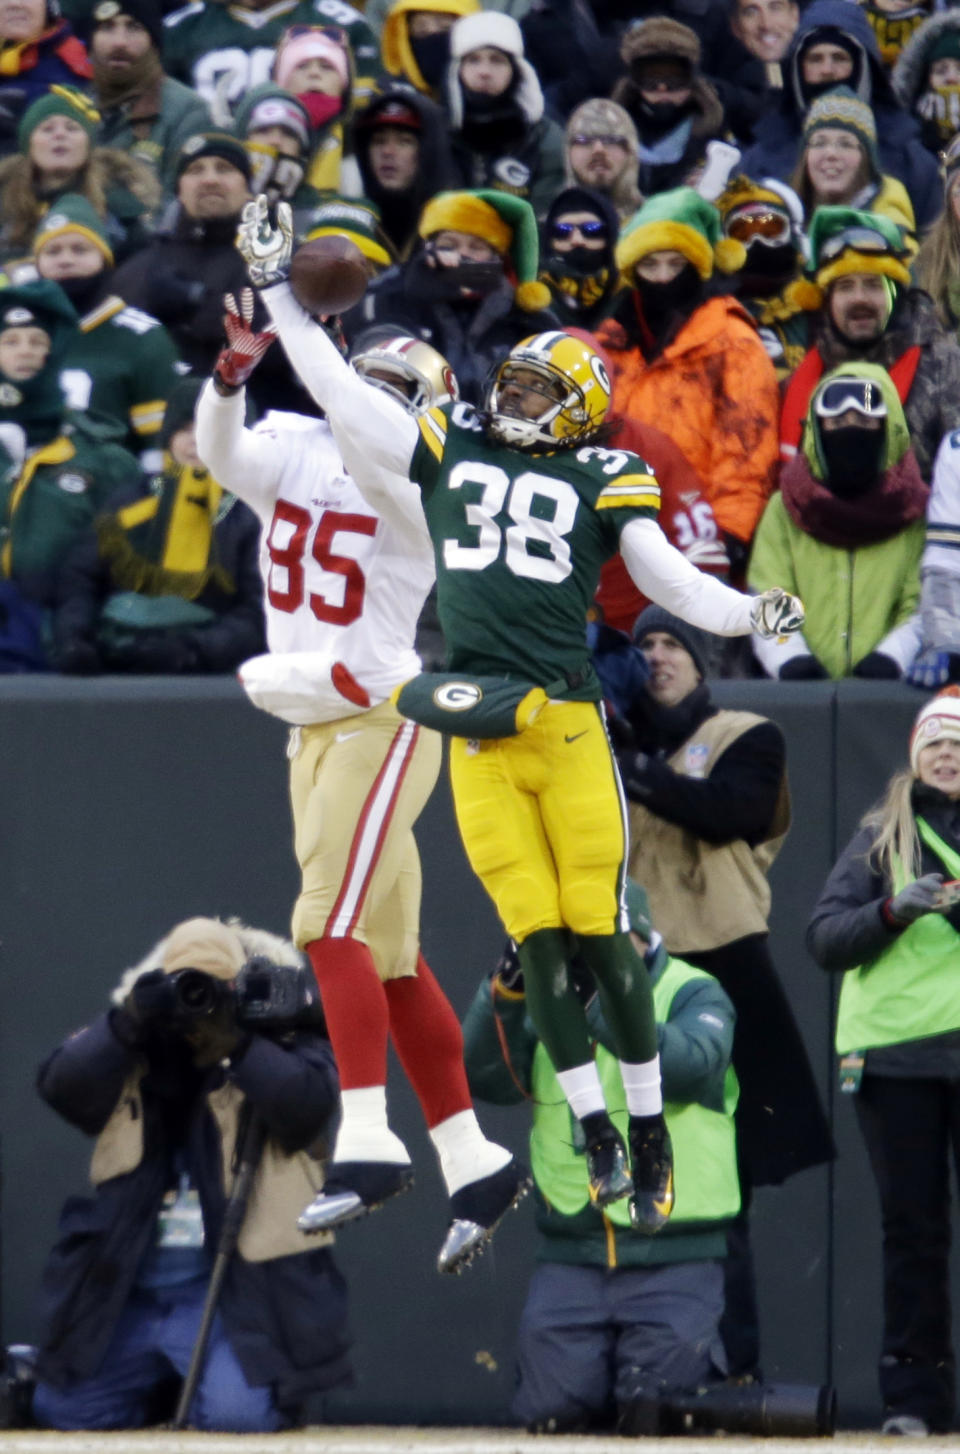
(767, 218)
(58, 155)
(871, 313)
(894, 23)
(221, 51)
(839, 166)
(143, 112)
(939, 658)
(471, 289)
(835, 46)
(499, 134)
(56, 473)
(926, 79)
(415, 42)
(692, 361)
(603, 153)
(403, 154)
(675, 109)
(167, 580)
(578, 242)
(38, 49)
(847, 528)
(169, 1097)
(938, 261)
(315, 64)
(275, 128)
(612, 1316)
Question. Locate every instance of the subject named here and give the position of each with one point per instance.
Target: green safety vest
(912, 989)
(704, 1141)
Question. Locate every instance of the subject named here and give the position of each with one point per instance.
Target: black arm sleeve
(847, 927)
(84, 1076)
(737, 800)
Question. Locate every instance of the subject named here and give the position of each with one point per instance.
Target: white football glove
(265, 249)
(776, 613)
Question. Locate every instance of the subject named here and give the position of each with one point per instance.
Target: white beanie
(939, 718)
(494, 28)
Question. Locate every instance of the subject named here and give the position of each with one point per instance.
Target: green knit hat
(841, 110)
(845, 240)
(947, 48)
(73, 213)
(678, 221)
(638, 910)
(356, 219)
(58, 101)
(507, 223)
(37, 405)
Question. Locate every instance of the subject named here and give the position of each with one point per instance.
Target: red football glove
(244, 348)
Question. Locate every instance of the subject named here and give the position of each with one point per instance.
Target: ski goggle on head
(758, 222)
(857, 239)
(839, 395)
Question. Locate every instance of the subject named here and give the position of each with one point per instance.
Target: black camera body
(264, 996)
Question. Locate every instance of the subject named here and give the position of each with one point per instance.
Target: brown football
(328, 274)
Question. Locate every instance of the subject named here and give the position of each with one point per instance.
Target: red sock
(429, 1042)
(355, 1007)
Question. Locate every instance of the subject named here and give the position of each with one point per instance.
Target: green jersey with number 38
(519, 540)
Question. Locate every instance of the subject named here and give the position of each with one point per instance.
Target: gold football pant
(357, 786)
(543, 822)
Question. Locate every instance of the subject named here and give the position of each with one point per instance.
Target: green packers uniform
(209, 45)
(519, 540)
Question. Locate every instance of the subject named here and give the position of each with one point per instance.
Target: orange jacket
(714, 391)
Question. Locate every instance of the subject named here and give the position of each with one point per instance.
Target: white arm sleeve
(357, 411)
(244, 462)
(659, 570)
(774, 652)
(903, 642)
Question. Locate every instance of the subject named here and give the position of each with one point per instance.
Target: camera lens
(197, 992)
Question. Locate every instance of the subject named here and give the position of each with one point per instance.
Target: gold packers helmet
(575, 384)
(415, 374)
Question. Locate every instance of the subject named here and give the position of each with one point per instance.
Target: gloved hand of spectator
(78, 658)
(620, 732)
(930, 670)
(154, 653)
(802, 669)
(171, 294)
(508, 975)
(633, 766)
(917, 899)
(877, 666)
(245, 348)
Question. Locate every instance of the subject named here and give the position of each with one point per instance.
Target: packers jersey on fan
(519, 540)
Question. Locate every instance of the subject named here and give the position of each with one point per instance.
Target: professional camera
(264, 996)
(783, 1410)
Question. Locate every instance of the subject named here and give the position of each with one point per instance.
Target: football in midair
(328, 274)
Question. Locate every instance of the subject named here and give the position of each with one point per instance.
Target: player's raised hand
(265, 249)
(245, 348)
(776, 613)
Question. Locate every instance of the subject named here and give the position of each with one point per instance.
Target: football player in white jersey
(344, 587)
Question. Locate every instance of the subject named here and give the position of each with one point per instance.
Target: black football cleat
(477, 1210)
(606, 1160)
(651, 1156)
(351, 1190)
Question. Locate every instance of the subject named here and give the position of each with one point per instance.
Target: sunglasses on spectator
(839, 395)
(858, 239)
(606, 141)
(585, 229)
(329, 32)
(763, 225)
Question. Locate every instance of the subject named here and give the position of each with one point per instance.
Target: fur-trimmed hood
(112, 168)
(254, 942)
(909, 74)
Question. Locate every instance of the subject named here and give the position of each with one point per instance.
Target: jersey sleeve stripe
(633, 500)
(648, 482)
(147, 418)
(434, 436)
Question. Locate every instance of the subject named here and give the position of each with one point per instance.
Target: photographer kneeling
(215, 1031)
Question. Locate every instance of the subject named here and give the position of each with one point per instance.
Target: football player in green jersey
(522, 509)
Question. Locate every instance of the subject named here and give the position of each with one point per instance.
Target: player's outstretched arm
(366, 415)
(660, 571)
(244, 462)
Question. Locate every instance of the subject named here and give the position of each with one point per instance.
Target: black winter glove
(172, 295)
(633, 767)
(877, 666)
(78, 658)
(153, 654)
(149, 1003)
(620, 732)
(126, 1028)
(802, 669)
(508, 975)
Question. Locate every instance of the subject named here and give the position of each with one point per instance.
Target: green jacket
(695, 1041)
(154, 126)
(50, 500)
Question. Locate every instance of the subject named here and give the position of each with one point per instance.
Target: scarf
(164, 544)
(660, 729)
(897, 499)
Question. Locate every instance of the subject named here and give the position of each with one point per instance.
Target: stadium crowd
(751, 210)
